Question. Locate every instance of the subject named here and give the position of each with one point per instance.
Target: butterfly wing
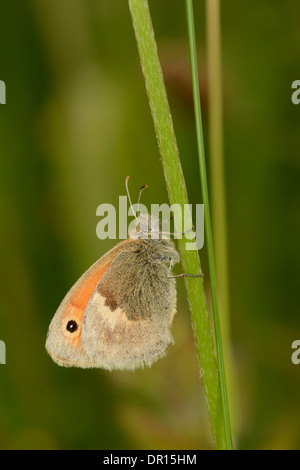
(127, 320)
(117, 315)
(64, 346)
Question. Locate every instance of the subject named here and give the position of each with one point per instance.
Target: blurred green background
(76, 123)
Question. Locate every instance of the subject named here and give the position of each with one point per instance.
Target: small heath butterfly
(119, 313)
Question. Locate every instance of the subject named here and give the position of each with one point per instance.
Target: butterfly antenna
(166, 220)
(141, 190)
(178, 233)
(126, 185)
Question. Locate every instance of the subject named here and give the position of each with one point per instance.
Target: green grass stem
(208, 231)
(178, 194)
(218, 190)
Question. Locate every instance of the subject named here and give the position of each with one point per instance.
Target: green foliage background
(76, 122)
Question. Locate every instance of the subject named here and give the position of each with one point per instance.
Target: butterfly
(119, 313)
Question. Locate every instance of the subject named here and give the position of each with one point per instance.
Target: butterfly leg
(182, 274)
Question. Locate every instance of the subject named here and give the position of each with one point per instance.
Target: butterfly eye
(72, 326)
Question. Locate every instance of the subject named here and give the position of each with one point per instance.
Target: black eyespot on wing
(72, 326)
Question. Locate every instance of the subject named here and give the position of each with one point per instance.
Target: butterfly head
(146, 225)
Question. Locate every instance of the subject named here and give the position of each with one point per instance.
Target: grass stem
(218, 190)
(178, 194)
(208, 231)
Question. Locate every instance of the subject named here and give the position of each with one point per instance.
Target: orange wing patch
(79, 299)
(74, 304)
